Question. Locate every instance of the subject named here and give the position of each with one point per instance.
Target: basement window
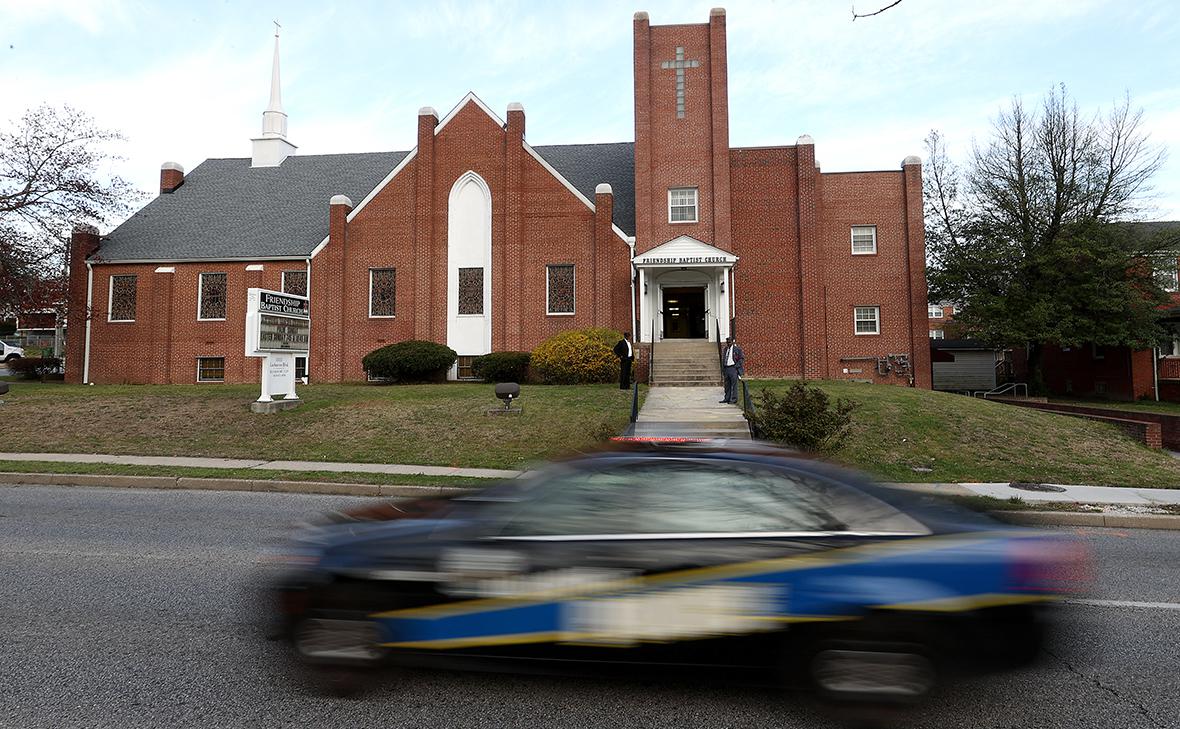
(465, 369)
(210, 369)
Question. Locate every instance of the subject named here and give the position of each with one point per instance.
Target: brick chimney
(171, 177)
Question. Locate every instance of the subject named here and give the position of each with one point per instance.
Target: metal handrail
(1010, 387)
(635, 400)
(651, 354)
(748, 409)
(720, 345)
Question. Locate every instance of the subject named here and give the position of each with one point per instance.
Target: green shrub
(804, 417)
(34, 368)
(411, 361)
(577, 356)
(501, 367)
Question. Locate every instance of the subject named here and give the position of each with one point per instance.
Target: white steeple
(272, 147)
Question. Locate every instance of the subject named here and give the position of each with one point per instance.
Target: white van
(9, 352)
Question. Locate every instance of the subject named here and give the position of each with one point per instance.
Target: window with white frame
(210, 369)
(937, 334)
(382, 292)
(211, 297)
(864, 240)
(559, 289)
(868, 319)
(682, 205)
(935, 311)
(1166, 274)
(121, 298)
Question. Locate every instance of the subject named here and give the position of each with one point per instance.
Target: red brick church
(476, 239)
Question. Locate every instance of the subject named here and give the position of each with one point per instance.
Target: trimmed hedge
(577, 356)
(33, 368)
(410, 361)
(502, 366)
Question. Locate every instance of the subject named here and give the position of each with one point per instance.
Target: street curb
(227, 484)
(1073, 518)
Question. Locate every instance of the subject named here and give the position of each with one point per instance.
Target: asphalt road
(135, 608)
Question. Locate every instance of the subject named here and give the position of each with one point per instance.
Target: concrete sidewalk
(238, 463)
(657, 425)
(690, 412)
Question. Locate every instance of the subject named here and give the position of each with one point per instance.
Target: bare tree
(856, 15)
(1028, 240)
(51, 178)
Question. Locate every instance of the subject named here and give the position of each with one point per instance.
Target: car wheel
(338, 641)
(11, 357)
(884, 663)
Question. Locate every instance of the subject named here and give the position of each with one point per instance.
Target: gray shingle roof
(588, 165)
(226, 209)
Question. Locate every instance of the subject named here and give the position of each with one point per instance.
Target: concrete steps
(681, 363)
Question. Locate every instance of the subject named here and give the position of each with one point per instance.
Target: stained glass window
(295, 282)
(212, 296)
(560, 292)
(470, 290)
(122, 303)
(382, 292)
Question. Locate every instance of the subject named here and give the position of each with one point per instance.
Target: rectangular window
(211, 297)
(682, 205)
(937, 334)
(559, 289)
(1165, 275)
(210, 369)
(121, 299)
(864, 240)
(935, 311)
(1097, 352)
(868, 320)
(464, 371)
(470, 291)
(301, 368)
(295, 282)
(382, 292)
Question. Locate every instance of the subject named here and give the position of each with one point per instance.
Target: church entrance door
(684, 313)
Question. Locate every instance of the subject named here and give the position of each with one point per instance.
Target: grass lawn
(444, 425)
(897, 429)
(1139, 406)
(116, 469)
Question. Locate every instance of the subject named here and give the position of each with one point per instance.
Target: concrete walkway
(238, 463)
(690, 412)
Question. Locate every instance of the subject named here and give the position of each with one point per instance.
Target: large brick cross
(680, 64)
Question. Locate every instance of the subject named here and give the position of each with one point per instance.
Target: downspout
(1155, 371)
(631, 266)
(89, 314)
(307, 290)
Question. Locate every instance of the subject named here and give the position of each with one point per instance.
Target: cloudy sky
(188, 81)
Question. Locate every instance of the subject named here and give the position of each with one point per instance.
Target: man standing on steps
(626, 354)
(734, 360)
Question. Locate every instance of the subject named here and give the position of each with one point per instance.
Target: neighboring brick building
(480, 241)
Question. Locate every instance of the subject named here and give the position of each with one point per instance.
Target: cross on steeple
(680, 64)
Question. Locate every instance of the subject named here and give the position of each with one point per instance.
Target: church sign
(278, 327)
(686, 260)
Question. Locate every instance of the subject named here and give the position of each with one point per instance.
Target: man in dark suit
(733, 366)
(626, 354)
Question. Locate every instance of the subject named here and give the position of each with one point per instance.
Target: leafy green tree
(1029, 239)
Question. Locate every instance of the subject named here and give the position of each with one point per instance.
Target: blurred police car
(686, 553)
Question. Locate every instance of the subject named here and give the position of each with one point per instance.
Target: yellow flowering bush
(577, 356)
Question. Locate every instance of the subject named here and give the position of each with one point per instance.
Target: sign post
(278, 328)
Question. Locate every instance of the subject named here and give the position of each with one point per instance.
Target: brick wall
(1152, 429)
(1118, 373)
(164, 341)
